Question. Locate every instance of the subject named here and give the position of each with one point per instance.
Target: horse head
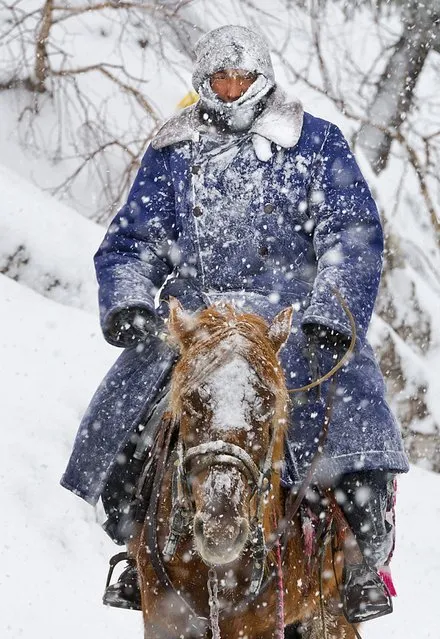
(229, 395)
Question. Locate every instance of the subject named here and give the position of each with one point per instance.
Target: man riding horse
(246, 197)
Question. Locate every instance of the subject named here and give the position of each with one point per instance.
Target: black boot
(364, 595)
(125, 593)
(363, 498)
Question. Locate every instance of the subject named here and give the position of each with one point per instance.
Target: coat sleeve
(348, 239)
(135, 256)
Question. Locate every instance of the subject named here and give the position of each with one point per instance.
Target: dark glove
(133, 325)
(326, 338)
(324, 347)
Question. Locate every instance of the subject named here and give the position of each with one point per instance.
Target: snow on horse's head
(229, 395)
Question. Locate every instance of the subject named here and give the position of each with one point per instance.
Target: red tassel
(385, 575)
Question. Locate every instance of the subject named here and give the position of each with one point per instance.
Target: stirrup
(125, 593)
(113, 562)
(364, 594)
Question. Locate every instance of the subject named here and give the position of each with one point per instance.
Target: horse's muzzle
(220, 542)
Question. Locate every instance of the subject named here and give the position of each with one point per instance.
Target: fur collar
(280, 122)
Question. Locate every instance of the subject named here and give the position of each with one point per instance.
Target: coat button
(263, 250)
(195, 169)
(197, 211)
(268, 208)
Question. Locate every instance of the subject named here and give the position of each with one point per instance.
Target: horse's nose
(220, 540)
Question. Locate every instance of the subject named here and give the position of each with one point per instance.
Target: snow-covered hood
(280, 122)
(231, 47)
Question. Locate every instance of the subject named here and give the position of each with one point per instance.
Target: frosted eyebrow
(226, 73)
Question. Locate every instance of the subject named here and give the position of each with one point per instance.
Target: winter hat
(231, 47)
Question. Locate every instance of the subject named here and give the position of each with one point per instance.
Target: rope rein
(213, 603)
(321, 592)
(344, 358)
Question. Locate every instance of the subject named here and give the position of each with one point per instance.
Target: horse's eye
(188, 404)
(264, 406)
(193, 402)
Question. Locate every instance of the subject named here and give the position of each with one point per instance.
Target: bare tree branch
(103, 68)
(41, 57)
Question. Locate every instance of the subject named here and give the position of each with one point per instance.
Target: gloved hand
(133, 325)
(326, 338)
(324, 347)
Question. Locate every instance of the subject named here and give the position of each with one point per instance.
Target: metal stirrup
(114, 561)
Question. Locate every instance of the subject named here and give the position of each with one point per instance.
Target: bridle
(220, 452)
(196, 459)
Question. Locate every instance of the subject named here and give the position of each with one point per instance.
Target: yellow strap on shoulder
(190, 98)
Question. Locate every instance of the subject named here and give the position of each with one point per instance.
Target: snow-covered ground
(53, 555)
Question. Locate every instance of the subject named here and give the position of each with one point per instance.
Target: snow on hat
(231, 47)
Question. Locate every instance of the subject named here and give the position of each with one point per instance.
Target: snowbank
(53, 555)
(45, 244)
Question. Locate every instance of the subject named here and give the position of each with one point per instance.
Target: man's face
(231, 84)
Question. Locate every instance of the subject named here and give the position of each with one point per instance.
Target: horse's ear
(279, 330)
(182, 324)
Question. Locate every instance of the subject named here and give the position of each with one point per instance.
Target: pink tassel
(309, 538)
(385, 575)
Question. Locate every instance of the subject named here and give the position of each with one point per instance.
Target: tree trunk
(396, 86)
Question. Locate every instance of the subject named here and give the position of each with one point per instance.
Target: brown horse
(229, 406)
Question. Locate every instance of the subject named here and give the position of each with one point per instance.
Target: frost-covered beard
(238, 115)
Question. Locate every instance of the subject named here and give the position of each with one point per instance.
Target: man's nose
(235, 89)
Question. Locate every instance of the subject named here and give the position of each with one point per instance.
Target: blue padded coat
(267, 232)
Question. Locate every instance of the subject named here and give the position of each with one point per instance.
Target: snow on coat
(266, 229)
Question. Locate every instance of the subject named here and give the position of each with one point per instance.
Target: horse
(210, 553)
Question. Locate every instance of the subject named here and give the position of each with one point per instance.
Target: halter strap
(220, 452)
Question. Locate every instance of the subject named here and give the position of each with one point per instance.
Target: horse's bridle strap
(220, 452)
